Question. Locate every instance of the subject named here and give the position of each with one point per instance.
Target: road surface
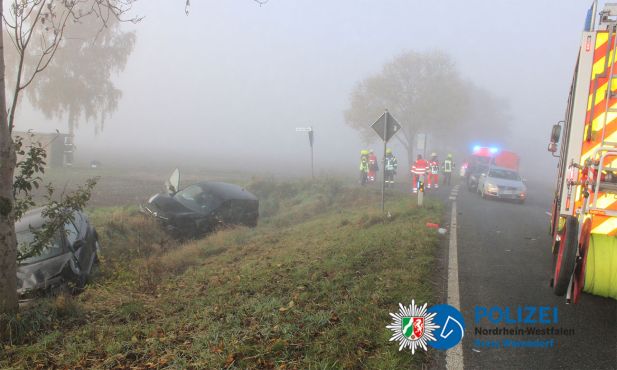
(504, 260)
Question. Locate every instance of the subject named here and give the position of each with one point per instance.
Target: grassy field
(309, 288)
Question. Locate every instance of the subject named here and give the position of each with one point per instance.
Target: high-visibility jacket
(434, 166)
(391, 163)
(447, 165)
(364, 164)
(420, 167)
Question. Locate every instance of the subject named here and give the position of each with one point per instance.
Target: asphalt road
(504, 260)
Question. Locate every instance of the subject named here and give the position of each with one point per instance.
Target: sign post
(310, 131)
(386, 126)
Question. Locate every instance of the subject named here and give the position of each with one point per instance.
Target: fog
(227, 85)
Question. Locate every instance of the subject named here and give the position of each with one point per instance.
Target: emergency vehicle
(584, 212)
(484, 157)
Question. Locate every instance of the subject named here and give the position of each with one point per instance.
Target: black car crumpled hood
(164, 206)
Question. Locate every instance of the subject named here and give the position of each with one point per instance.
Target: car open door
(172, 185)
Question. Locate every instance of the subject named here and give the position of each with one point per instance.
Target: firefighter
(433, 176)
(419, 169)
(448, 165)
(363, 166)
(373, 167)
(391, 167)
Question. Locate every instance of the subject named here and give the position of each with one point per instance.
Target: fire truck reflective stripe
(606, 201)
(598, 122)
(600, 106)
(588, 148)
(601, 42)
(604, 225)
(600, 48)
(600, 94)
(598, 67)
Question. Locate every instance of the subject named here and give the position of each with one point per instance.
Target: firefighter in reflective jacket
(373, 167)
(433, 176)
(391, 167)
(419, 170)
(363, 167)
(448, 165)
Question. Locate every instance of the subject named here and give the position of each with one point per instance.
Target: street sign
(304, 129)
(386, 126)
(379, 126)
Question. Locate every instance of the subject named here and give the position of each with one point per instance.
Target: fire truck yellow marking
(606, 227)
(611, 138)
(600, 94)
(601, 39)
(599, 121)
(605, 201)
(598, 67)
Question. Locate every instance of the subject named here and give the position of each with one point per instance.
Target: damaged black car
(70, 257)
(202, 207)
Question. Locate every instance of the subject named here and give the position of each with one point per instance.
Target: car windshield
(197, 199)
(25, 239)
(504, 174)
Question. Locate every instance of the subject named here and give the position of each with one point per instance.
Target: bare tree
(36, 29)
(422, 90)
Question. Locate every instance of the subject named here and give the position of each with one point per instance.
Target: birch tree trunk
(8, 243)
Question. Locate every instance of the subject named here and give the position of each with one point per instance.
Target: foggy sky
(229, 84)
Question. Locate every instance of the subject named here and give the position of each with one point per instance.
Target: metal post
(420, 190)
(312, 171)
(383, 167)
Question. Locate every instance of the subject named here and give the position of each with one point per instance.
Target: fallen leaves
(289, 306)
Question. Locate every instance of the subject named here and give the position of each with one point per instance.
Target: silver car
(502, 183)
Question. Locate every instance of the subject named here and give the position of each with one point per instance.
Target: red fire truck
(584, 212)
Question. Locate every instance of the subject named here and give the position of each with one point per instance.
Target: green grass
(310, 288)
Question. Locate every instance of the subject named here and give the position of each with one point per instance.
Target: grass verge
(311, 287)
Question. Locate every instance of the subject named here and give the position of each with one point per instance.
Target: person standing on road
(363, 167)
(448, 165)
(373, 167)
(391, 167)
(419, 169)
(433, 177)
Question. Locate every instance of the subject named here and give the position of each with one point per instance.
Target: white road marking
(454, 356)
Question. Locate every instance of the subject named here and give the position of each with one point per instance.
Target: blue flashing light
(493, 150)
(476, 148)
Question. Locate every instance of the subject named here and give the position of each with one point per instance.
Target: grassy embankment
(311, 287)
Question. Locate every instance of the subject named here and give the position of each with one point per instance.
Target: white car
(502, 183)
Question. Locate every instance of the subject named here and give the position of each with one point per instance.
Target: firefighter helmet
(449, 155)
(388, 151)
(434, 154)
